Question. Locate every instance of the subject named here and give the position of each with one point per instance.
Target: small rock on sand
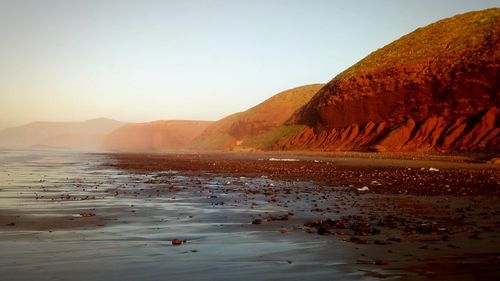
(86, 214)
(364, 188)
(257, 221)
(177, 242)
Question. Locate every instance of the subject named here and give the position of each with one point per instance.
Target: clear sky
(147, 60)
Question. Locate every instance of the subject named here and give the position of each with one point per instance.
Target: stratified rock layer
(433, 89)
(474, 133)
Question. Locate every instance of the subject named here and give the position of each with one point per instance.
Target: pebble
(177, 242)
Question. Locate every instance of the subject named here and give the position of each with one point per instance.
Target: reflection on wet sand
(68, 215)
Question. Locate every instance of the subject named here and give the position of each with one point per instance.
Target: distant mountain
(435, 89)
(75, 135)
(259, 126)
(155, 136)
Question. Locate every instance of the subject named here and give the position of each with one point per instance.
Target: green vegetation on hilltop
(451, 36)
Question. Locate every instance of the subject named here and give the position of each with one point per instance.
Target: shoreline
(386, 176)
(396, 228)
(451, 157)
(280, 216)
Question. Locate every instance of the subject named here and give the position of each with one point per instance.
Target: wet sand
(396, 175)
(244, 216)
(435, 217)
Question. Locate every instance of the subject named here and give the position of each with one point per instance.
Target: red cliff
(434, 89)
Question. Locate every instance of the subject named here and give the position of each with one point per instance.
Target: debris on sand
(284, 159)
(177, 242)
(352, 225)
(86, 214)
(364, 188)
(394, 180)
(277, 218)
(495, 160)
(375, 262)
(284, 230)
(257, 221)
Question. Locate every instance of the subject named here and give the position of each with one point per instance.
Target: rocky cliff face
(478, 132)
(433, 89)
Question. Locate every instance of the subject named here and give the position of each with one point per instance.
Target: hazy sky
(146, 60)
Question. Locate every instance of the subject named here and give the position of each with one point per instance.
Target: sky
(147, 60)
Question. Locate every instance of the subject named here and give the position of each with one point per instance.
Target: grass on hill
(455, 35)
(215, 141)
(273, 139)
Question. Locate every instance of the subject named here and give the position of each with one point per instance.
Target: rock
(381, 262)
(427, 134)
(283, 230)
(397, 138)
(480, 129)
(257, 221)
(495, 160)
(86, 214)
(364, 188)
(176, 242)
(357, 240)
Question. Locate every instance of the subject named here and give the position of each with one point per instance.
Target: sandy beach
(271, 217)
(435, 217)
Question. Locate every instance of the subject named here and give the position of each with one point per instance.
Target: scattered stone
(177, 242)
(394, 239)
(86, 214)
(381, 262)
(374, 262)
(364, 188)
(257, 221)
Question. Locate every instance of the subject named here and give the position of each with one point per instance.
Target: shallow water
(136, 216)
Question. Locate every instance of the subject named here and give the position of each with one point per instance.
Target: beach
(258, 216)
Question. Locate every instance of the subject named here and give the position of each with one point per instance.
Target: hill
(435, 89)
(75, 135)
(155, 136)
(259, 124)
